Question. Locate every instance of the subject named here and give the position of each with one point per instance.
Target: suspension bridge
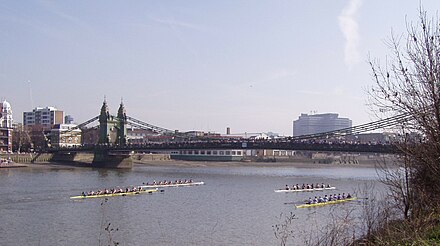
(113, 146)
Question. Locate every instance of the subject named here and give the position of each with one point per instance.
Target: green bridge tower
(112, 130)
(112, 133)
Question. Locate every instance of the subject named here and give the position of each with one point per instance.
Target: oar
(293, 203)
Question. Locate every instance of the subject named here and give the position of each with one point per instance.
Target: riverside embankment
(304, 160)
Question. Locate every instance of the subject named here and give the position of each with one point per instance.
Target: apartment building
(46, 117)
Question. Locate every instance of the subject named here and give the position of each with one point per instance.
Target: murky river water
(236, 206)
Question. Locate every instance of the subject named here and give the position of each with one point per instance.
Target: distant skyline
(253, 66)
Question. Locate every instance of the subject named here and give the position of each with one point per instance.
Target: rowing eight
(300, 190)
(325, 203)
(172, 185)
(117, 194)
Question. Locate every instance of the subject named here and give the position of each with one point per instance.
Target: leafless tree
(283, 231)
(21, 140)
(409, 83)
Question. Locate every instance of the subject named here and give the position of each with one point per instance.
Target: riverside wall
(48, 157)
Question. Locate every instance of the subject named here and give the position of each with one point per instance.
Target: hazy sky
(253, 66)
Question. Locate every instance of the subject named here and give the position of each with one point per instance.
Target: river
(236, 206)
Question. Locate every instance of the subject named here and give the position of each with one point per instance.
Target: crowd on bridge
(287, 143)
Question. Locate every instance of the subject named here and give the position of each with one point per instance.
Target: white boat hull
(305, 190)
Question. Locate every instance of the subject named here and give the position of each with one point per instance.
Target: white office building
(318, 123)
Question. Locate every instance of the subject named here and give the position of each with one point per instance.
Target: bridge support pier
(104, 158)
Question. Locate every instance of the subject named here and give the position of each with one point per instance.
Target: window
(208, 152)
(222, 153)
(214, 152)
(233, 152)
(228, 152)
(238, 152)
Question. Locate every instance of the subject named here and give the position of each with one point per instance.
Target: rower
(330, 198)
(343, 195)
(315, 200)
(287, 187)
(320, 199)
(348, 195)
(339, 196)
(325, 198)
(309, 201)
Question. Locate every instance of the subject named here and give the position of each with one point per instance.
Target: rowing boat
(325, 203)
(172, 185)
(117, 194)
(301, 190)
